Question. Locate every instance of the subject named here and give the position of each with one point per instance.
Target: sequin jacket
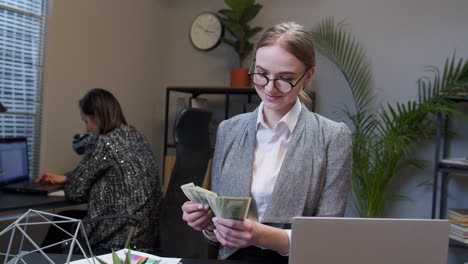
(118, 175)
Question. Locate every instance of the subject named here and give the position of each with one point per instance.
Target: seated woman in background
(118, 175)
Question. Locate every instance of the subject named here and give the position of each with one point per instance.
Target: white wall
(401, 37)
(137, 48)
(112, 44)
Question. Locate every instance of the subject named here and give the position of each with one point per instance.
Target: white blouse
(270, 149)
(269, 152)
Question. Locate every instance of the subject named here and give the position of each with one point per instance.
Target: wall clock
(206, 31)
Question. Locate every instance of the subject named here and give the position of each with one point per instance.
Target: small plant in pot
(235, 20)
(128, 259)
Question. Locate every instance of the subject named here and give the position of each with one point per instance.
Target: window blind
(22, 31)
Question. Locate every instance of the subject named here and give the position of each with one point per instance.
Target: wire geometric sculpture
(19, 230)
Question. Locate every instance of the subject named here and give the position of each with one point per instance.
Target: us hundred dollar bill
(226, 207)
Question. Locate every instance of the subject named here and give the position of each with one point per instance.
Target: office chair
(133, 221)
(193, 152)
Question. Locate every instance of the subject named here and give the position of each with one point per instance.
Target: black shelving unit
(445, 168)
(195, 91)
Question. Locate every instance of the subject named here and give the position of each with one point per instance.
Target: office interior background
(136, 48)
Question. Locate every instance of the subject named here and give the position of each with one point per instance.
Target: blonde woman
(292, 162)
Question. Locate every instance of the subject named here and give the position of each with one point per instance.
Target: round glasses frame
(253, 74)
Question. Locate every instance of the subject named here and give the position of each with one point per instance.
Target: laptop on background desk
(14, 169)
(339, 240)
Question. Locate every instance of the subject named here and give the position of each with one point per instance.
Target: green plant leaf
(101, 261)
(127, 257)
(236, 20)
(250, 12)
(115, 258)
(239, 5)
(127, 260)
(252, 32)
(227, 14)
(383, 139)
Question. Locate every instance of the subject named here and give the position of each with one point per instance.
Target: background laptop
(368, 240)
(14, 167)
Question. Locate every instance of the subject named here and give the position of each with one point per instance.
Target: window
(22, 25)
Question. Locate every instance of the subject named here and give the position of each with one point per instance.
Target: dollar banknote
(235, 207)
(222, 206)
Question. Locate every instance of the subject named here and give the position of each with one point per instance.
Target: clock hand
(200, 26)
(204, 29)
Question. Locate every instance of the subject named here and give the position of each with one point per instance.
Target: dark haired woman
(118, 175)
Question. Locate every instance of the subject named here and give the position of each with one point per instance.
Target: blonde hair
(296, 40)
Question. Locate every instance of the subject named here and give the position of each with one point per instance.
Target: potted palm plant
(236, 20)
(382, 139)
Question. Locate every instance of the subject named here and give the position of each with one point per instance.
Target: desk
(59, 258)
(21, 201)
(212, 261)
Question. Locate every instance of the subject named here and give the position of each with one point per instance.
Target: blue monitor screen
(13, 161)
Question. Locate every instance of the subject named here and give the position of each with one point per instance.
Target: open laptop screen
(13, 160)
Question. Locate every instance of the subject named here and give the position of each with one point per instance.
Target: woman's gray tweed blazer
(314, 179)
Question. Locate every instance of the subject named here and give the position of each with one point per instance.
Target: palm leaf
(382, 141)
(348, 55)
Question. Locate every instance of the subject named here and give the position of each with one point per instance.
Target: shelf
(456, 243)
(195, 91)
(444, 166)
(458, 97)
(460, 164)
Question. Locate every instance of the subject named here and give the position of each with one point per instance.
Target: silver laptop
(338, 240)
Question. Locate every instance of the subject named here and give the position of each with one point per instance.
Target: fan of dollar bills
(222, 206)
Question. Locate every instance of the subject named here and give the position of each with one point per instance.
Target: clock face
(206, 31)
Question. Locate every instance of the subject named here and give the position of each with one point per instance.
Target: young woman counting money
(291, 161)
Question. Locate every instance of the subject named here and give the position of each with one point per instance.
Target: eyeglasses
(281, 84)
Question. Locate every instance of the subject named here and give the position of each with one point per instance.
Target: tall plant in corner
(383, 139)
